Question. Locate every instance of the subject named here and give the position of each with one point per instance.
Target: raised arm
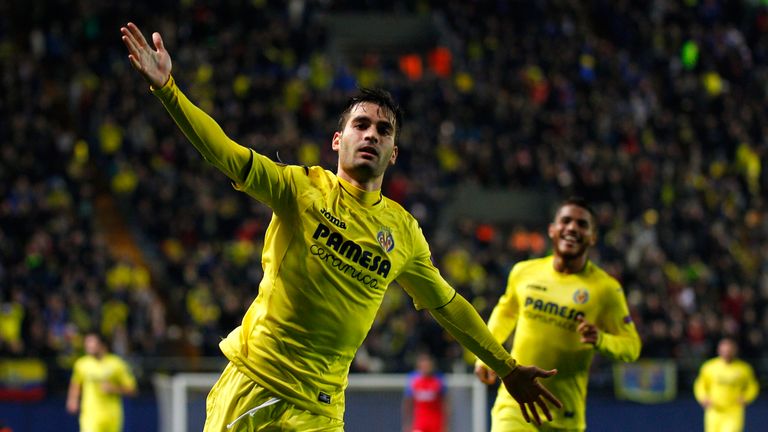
(202, 131)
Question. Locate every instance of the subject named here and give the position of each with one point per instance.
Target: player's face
(726, 349)
(572, 232)
(92, 345)
(425, 364)
(366, 146)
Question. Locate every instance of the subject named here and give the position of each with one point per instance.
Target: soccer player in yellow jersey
(724, 387)
(334, 245)
(101, 379)
(563, 308)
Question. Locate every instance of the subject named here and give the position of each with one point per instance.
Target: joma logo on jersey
(553, 308)
(333, 219)
(352, 250)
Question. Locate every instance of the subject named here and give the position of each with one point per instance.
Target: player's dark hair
(379, 97)
(579, 202)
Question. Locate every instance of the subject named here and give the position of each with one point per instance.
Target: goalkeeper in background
(724, 387)
(563, 308)
(334, 245)
(99, 380)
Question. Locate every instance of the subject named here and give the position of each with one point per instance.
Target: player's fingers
(550, 397)
(524, 410)
(544, 408)
(535, 412)
(134, 62)
(544, 373)
(158, 41)
(137, 35)
(130, 43)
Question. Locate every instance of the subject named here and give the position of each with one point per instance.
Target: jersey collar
(364, 197)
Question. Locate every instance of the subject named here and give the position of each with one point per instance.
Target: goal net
(373, 402)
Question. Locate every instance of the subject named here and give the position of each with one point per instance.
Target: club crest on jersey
(386, 240)
(580, 296)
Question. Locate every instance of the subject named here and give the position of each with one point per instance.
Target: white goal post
(181, 397)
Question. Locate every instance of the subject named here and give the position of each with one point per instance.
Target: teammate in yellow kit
(101, 379)
(724, 387)
(334, 245)
(563, 308)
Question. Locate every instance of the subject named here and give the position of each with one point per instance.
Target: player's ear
(593, 238)
(393, 158)
(336, 141)
(551, 231)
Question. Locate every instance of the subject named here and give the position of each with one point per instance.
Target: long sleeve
(463, 322)
(752, 387)
(701, 385)
(205, 134)
(618, 337)
(504, 316)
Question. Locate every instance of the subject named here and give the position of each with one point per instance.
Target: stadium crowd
(654, 111)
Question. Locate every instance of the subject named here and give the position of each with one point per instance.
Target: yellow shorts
(731, 420)
(237, 403)
(101, 422)
(509, 418)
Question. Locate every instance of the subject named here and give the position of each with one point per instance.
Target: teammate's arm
(701, 387)
(752, 388)
(406, 408)
(125, 383)
(503, 320)
(73, 393)
(614, 335)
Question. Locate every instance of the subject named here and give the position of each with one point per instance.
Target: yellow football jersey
(330, 252)
(543, 307)
(726, 385)
(100, 410)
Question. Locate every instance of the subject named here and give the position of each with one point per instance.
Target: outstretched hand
(153, 64)
(523, 385)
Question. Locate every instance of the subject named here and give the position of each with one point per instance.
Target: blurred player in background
(425, 402)
(724, 387)
(99, 381)
(563, 308)
(334, 245)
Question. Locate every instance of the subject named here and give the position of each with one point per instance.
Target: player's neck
(569, 265)
(366, 184)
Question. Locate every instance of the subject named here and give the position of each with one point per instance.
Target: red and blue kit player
(425, 402)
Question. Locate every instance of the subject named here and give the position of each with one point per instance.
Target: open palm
(153, 64)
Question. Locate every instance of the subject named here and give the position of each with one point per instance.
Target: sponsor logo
(536, 287)
(569, 414)
(333, 219)
(349, 249)
(385, 239)
(627, 319)
(580, 296)
(552, 308)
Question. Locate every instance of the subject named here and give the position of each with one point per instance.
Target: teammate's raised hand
(524, 386)
(485, 374)
(153, 64)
